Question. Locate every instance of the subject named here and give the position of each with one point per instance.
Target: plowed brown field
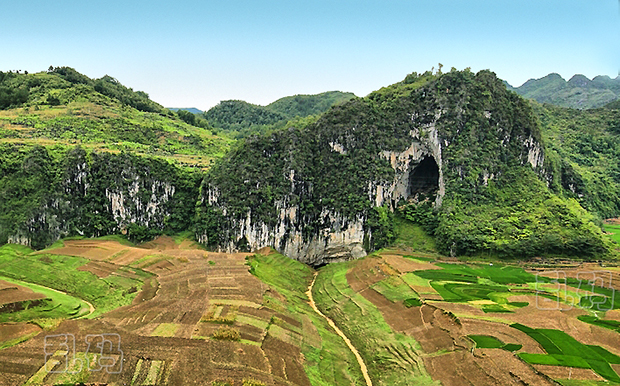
(165, 334)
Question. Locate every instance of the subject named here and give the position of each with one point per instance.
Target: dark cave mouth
(424, 179)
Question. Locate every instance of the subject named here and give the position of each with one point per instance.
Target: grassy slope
(59, 306)
(614, 232)
(333, 363)
(363, 323)
(60, 273)
(412, 236)
(93, 120)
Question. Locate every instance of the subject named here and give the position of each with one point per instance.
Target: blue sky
(196, 53)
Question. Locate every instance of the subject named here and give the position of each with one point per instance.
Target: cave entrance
(424, 179)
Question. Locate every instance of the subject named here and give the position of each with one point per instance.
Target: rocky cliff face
(418, 154)
(100, 194)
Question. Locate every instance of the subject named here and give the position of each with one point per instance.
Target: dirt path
(339, 332)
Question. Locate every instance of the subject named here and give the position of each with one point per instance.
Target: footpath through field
(339, 332)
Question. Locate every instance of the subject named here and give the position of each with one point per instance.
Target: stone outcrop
(90, 202)
(341, 237)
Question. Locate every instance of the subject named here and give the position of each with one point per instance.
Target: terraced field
(199, 317)
(177, 314)
(455, 323)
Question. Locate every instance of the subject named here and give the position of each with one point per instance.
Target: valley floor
(246, 319)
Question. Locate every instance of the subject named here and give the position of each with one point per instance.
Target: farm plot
(15, 333)
(488, 341)
(194, 290)
(327, 359)
(591, 285)
(373, 303)
(62, 273)
(50, 304)
(15, 297)
(564, 350)
(392, 357)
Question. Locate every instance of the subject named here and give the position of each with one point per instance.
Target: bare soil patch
(404, 265)
(285, 360)
(496, 368)
(10, 331)
(12, 293)
(100, 268)
(365, 273)
(161, 243)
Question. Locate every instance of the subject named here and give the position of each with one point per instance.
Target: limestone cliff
(99, 194)
(310, 193)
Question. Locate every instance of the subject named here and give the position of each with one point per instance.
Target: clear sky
(196, 53)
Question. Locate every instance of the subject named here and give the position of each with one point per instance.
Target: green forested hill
(64, 107)
(321, 165)
(242, 118)
(579, 92)
(304, 105)
(58, 191)
(583, 146)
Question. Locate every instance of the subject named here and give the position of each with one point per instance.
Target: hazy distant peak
(579, 92)
(579, 80)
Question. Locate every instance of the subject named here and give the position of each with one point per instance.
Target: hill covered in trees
(479, 168)
(242, 118)
(583, 147)
(456, 153)
(578, 92)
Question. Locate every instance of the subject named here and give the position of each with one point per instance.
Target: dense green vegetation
(564, 350)
(516, 216)
(60, 191)
(240, 116)
(305, 105)
(583, 149)
(579, 92)
(495, 204)
(513, 215)
(240, 119)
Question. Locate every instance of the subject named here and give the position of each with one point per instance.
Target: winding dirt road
(339, 332)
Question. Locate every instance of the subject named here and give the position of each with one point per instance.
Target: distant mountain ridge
(578, 92)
